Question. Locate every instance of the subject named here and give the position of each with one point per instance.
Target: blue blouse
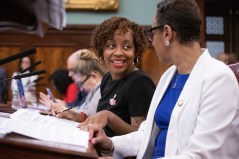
(164, 111)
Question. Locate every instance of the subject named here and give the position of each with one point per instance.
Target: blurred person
(87, 74)
(223, 57)
(232, 58)
(64, 85)
(28, 82)
(71, 65)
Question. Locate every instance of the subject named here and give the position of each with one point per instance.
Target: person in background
(223, 57)
(87, 74)
(126, 91)
(3, 85)
(64, 85)
(28, 82)
(232, 58)
(71, 65)
(194, 113)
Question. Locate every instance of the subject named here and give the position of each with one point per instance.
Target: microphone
(25, 75)
(31, 67)
(36, 80)
(22, 76)
(29, 74)
(18, 56)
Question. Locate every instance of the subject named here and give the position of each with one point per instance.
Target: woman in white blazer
(196, 98)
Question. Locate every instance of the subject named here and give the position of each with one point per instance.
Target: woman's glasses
(149, 32)
(80, 84)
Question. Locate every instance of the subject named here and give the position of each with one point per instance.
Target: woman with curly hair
(126, 91)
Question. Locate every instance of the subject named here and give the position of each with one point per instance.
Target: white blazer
(205, 120)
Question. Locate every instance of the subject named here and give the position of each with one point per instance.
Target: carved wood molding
(95, 5)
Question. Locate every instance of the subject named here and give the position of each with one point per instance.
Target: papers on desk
(5, 115)
(4, 131)
(37, 107)
(46, 128)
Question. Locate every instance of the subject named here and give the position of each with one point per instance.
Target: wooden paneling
(54, 49)
(201, 5)
(151, 65)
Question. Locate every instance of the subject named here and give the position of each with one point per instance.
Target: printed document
(46, 128)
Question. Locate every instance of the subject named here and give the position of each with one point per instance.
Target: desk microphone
(25, 75)
(22, 76)
(30, 67)
(34, 82)
(18, 56)
(29, 74)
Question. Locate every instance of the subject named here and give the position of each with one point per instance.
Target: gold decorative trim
(93, 5)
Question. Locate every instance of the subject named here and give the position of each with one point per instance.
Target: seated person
(28, 82)
(126, 90)
(194, 113)
(64, 85)
(87, 75)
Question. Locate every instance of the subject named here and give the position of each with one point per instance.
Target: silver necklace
(177, 78)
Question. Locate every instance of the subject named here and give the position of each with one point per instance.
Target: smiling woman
(95, 5)
(126, 91)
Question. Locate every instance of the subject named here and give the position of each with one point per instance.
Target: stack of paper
(46, 128)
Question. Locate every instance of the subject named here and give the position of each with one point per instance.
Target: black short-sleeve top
(126, 97)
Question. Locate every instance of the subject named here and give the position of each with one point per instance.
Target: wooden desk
(6, 108)
(15, 146)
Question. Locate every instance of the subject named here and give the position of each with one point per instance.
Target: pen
(66, 109)
(51, 95)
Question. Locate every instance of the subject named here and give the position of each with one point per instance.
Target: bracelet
(84, 116)
(109, 151)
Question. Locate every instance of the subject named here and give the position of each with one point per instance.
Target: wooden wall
(54, 49)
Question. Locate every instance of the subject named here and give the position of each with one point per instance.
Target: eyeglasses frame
(80, 84)
(150, 30)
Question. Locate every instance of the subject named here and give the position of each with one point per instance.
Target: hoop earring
(136, 61)
(166, 43)
(100, 59)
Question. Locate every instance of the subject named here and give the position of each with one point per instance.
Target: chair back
(235, 69)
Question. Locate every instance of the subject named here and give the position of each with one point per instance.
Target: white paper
(3, 123)
(46, 128)
(5, 115)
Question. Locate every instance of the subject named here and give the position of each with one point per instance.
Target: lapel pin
(113, 101)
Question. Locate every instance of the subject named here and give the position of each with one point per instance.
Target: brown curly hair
(106, 30)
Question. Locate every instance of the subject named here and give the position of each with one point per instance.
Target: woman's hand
(70, 115)
(98, 137)
(59, 105)
(45, 100)
(101, 117)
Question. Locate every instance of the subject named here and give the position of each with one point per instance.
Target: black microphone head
(31, 67)
(29, 74)
(36, 80)
(18, 56)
